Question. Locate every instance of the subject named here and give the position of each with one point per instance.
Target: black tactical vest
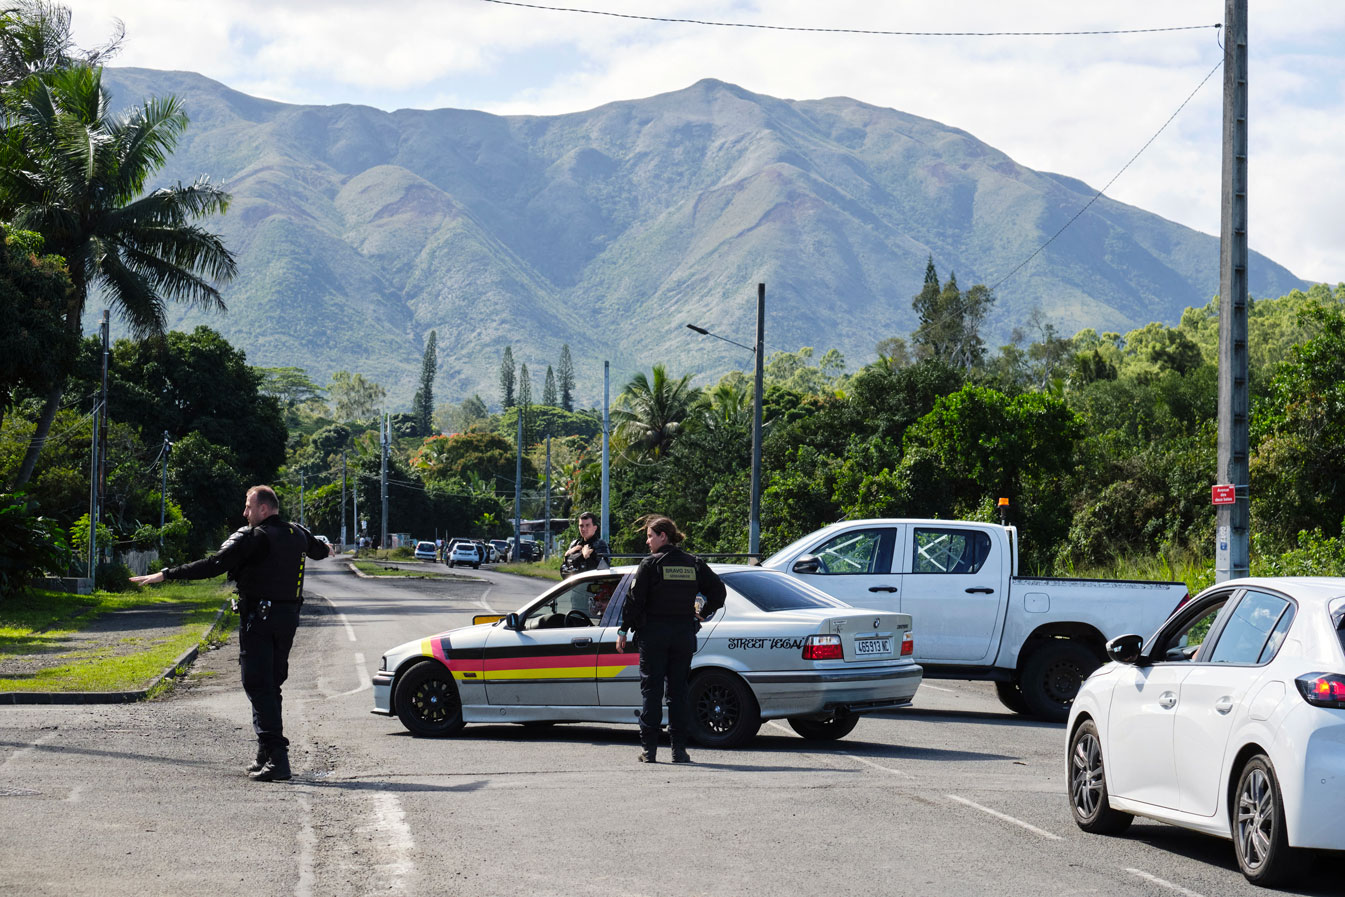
(276, 574)
(673, 589)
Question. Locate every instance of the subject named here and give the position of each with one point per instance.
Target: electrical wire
(1098, 195)
(867, 31)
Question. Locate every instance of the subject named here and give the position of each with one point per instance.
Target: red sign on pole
(1223, 495)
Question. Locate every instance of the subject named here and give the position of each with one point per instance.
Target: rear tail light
(907, 645)
(1182, 603)
(1322, 689)
(823, 647)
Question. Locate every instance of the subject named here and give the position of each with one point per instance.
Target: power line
(1098, 195)
(870, 31)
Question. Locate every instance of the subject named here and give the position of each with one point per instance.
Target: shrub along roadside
(48, 627)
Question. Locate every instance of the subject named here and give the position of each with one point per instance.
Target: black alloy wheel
(724, 714)
(1052, 676)
(427, 700)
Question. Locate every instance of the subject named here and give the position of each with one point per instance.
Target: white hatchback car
(464, 553)
(1230, 720)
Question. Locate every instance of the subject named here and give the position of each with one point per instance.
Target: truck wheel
(1011, 696)
(1052, 676)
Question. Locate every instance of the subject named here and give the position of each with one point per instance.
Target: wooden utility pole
(1232, 556)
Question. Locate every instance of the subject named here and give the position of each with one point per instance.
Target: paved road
(953, 797)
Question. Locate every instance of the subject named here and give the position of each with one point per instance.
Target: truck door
(858, 566)
(952, 588)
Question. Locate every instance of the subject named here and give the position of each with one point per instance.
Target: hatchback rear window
(773, 591)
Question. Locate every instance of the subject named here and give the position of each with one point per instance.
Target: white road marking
(308, 840)
(361, 676)
(1161, 883)
(867, 762)
(951, 691)
(482, 600)
(75, 794)
(998, 815)
(350, 630)
(771, 722)
(390, 825)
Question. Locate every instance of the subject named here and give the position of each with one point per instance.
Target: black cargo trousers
(667, 645)
(264, 659)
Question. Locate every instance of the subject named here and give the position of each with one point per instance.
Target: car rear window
(773, 591)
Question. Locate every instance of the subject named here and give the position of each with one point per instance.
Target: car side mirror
(511, 621)
(807, 564)
(1125, 649)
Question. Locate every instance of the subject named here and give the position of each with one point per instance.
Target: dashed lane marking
(350, 630)
(1007, 818)
(1154, 879)
(888, 769)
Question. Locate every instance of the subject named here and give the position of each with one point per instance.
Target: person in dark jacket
(661, 609)
(589, 551)
(266, 561)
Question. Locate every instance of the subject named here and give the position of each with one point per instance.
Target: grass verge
(374, 568)
(52, 627)
(548, 569)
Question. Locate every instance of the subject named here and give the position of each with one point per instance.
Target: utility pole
(754, 517)
(387, 437)
(518, 489)
(163, 488)
(606, 443)
(1232, 555)
(355, 509)
(546, 543)
(301, 499)
(343, 499)
(102, 422)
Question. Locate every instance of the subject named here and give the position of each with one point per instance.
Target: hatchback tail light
(1322, 689)
(907, 645)
(823, 647)
(1182, 603)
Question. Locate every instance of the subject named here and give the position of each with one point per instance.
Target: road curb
(411, 574)
(116, 697)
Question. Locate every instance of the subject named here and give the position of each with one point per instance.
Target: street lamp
(754, 516)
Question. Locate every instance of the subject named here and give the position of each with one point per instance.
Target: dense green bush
(30, 545)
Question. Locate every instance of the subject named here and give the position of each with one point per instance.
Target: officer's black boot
(276, 768)
(680, 754)
(648, 745)
(262, 756)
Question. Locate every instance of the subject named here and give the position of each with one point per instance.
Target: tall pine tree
(507, 399)
(565, 378)
(422, 406)
(525, 404)
(549, 388)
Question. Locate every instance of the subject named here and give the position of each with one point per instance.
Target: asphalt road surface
(954, 796)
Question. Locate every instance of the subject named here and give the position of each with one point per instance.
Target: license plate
(871, 647)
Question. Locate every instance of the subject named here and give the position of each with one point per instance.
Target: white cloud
(1081, 106)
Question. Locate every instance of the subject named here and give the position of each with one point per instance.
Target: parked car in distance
(425, 551)
(1229, 720)
(1036, 638)
(501, 549)
(464, 552)
(778, 649)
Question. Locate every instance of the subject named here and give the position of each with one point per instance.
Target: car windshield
(773, 592)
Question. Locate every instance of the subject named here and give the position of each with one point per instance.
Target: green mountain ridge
(359, 231)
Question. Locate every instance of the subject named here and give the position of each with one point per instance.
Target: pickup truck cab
(973, 616)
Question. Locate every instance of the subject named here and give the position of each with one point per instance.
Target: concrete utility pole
(301, 499)
(518, 489)
(387, 437)
(754, 517)
(1232, 555)
(343, 499)
(546, 544)
(606, 444)
(163, 487)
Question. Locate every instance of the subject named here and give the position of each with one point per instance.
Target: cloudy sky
(1078, 105)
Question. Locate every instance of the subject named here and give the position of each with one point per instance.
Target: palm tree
(75, 174)
(36, 40)
(650, 414)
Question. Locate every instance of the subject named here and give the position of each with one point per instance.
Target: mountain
(359, 231)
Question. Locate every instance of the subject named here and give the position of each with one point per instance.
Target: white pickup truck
(973, 616)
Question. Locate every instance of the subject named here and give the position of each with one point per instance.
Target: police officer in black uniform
(589, 551)
(266, 560)
(661, 609)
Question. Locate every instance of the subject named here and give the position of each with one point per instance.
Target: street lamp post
(754, 513)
